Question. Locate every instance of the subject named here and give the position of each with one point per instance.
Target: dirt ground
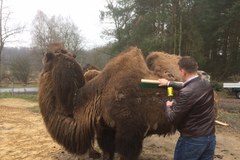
(23, 135)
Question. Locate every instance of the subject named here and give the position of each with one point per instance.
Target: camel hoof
(94, 154)
(107, 156)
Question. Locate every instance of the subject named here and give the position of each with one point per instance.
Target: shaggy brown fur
(62, 127)
(64, 86)
(164, 65)
(112, 103)
(58, 48)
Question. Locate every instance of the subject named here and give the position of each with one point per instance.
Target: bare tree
(6, 31)
(98, 56)
(55, 29)
(40, 31)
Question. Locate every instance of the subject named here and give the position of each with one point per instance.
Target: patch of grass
(223, 94)
(230, 118)
(229, 115)
(34, 109)
(29, 97)
(17, 85)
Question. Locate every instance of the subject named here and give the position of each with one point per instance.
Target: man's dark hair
(188, 64)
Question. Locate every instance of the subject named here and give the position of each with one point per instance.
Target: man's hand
(163, 82)
(169, 103)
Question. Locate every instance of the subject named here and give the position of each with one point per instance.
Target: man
(192, 113)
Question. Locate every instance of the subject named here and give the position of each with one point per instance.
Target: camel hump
(164, 65)
(127, 61)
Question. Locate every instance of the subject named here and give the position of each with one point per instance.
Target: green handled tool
(148, 83)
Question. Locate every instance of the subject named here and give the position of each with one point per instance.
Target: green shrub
(217, 86)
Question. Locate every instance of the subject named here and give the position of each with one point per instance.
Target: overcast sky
(84, 13)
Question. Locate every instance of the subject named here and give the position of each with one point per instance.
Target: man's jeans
(195, 148)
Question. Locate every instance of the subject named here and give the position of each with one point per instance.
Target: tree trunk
(174, 29)
(180, 28)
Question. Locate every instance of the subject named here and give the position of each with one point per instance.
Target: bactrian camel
(113, 105)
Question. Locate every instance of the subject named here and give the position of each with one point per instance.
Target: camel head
(65, 76)
(59, 48)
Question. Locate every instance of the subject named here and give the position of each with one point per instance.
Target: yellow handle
(170, 91)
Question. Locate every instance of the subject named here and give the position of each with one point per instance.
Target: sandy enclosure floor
(23, 137)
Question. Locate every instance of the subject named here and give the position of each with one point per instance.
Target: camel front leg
(129, 142)
(92, 153)
(108, 156)
(106, 140)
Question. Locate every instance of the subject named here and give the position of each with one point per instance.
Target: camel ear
(49, 56)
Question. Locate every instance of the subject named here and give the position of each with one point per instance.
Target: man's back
(197, 104)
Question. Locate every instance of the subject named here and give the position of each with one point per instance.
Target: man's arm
(175, 85)
(177, 111)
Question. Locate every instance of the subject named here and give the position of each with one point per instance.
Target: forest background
(208, 30)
